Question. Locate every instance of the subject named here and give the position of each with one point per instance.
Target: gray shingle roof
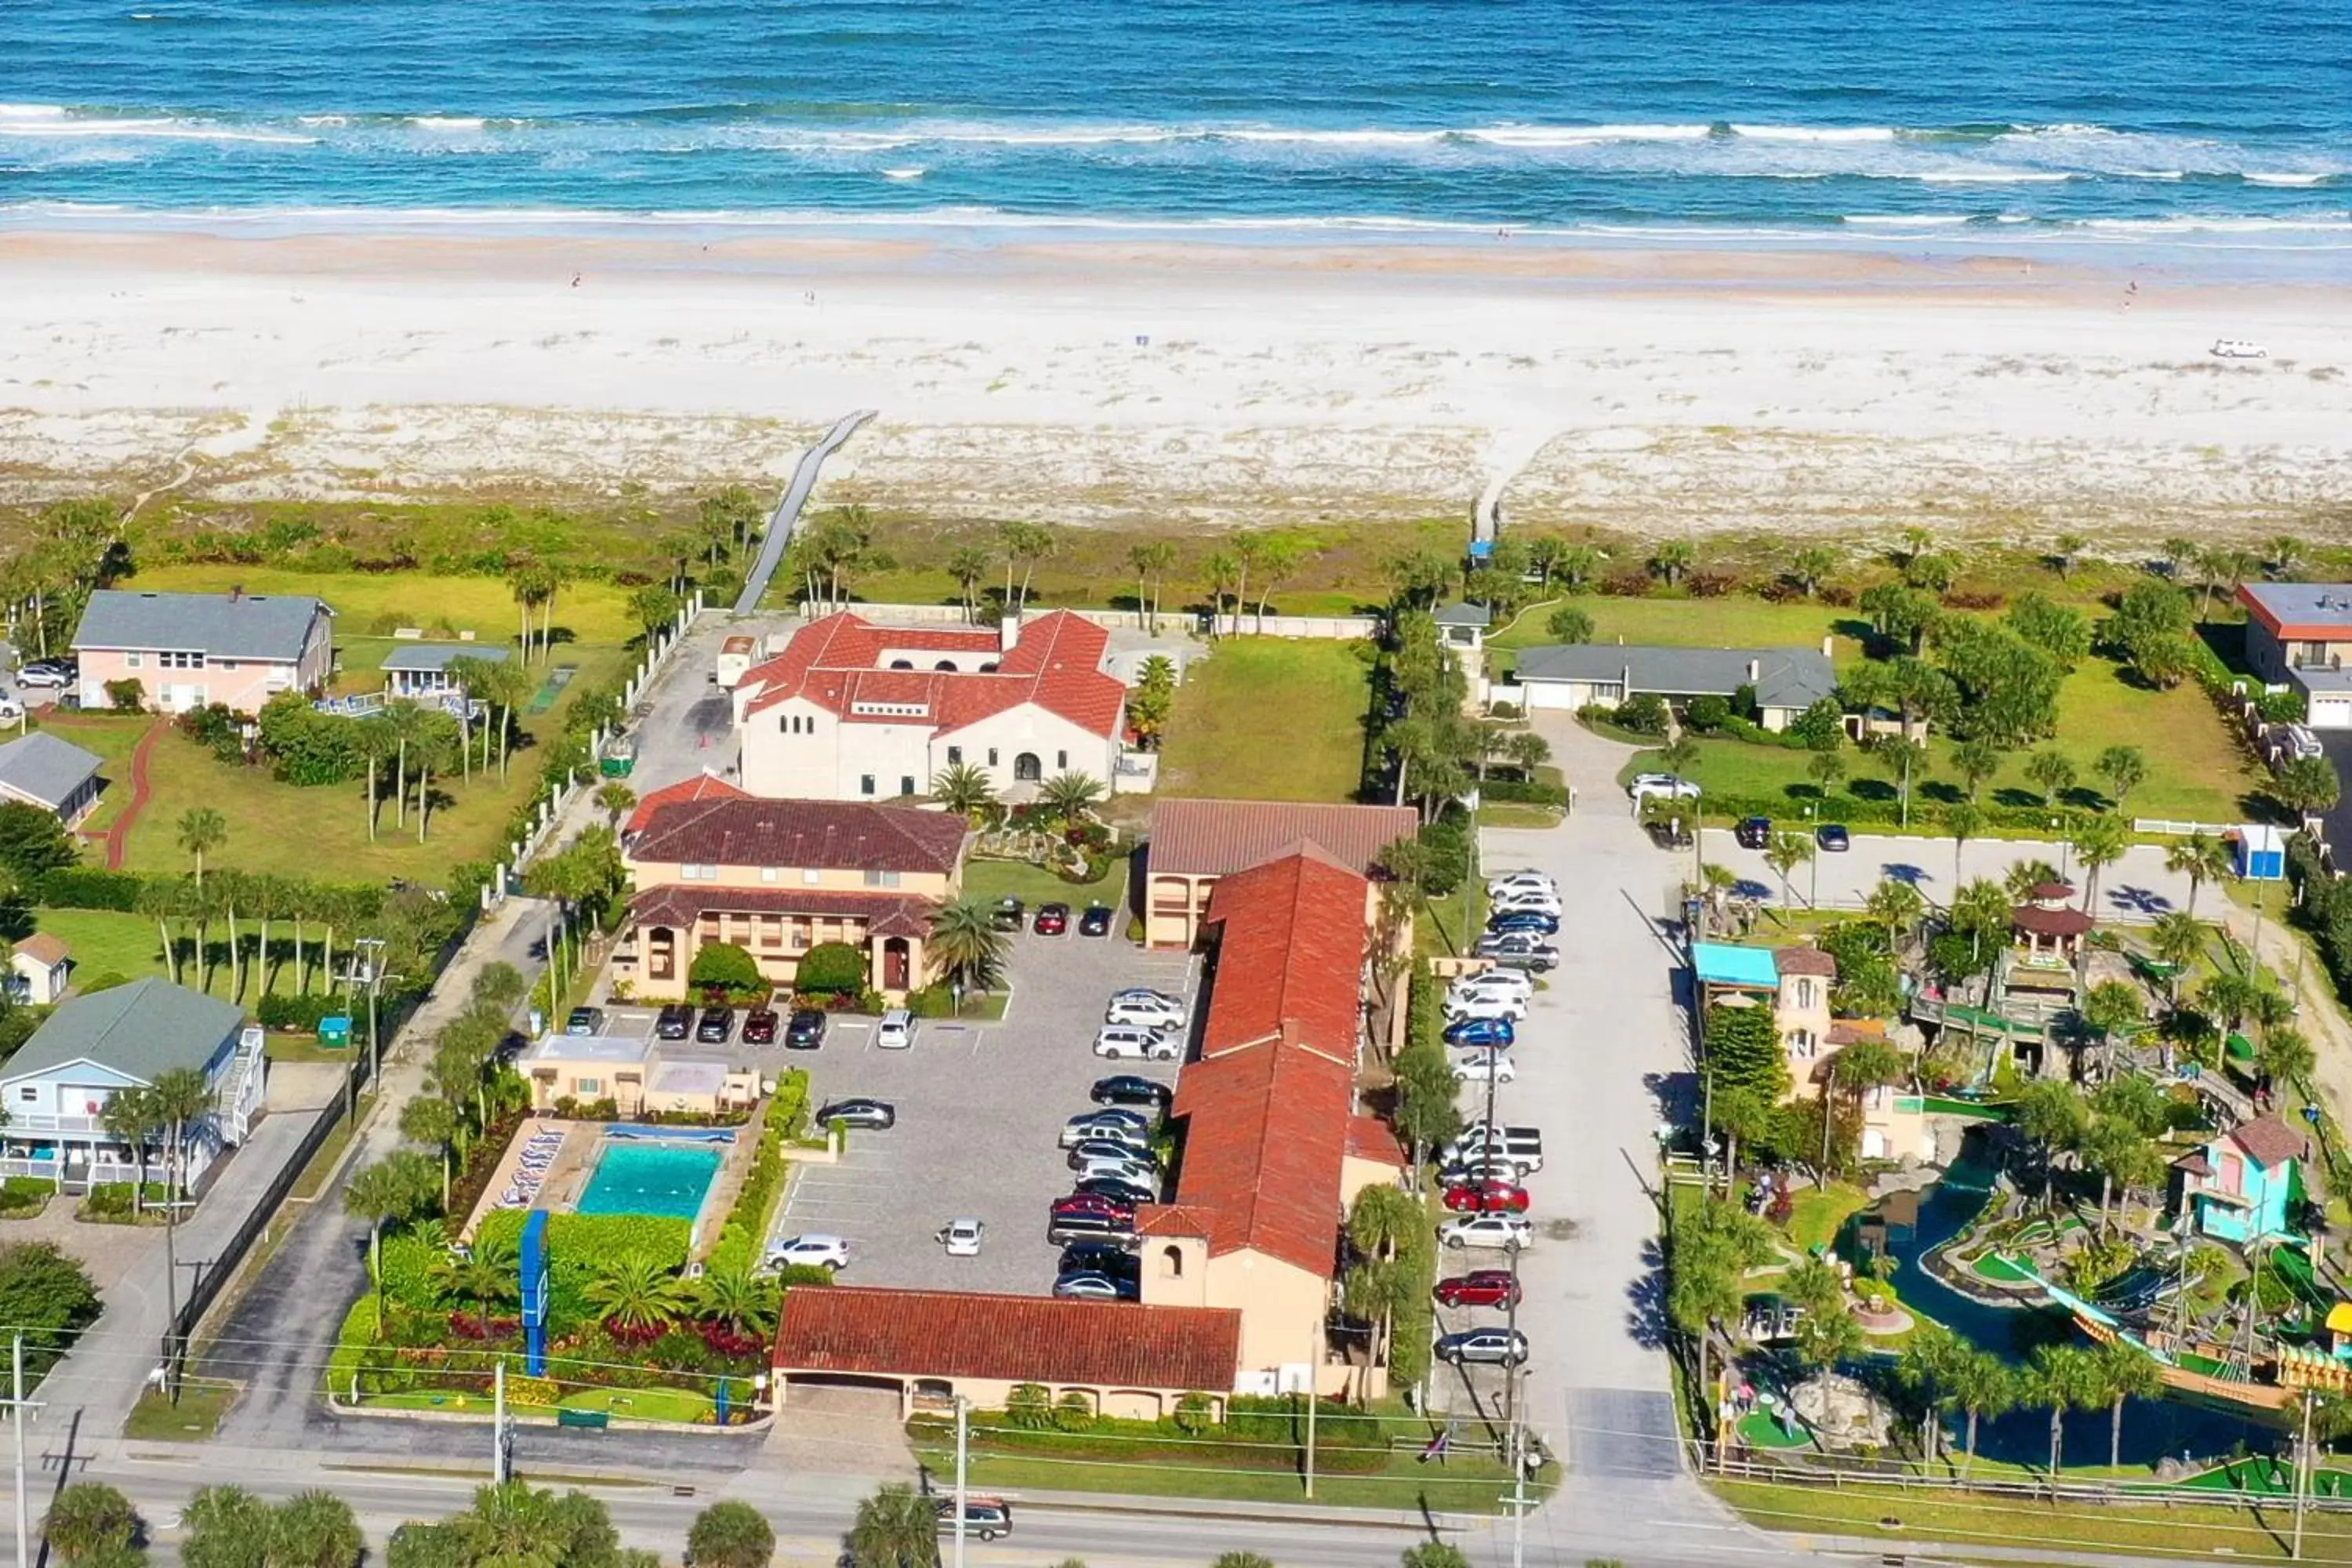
(143, 1029)
(41, 767)
(251, 625)
(1783, 677)
(1463, 614)
(2303, 604)
(437, 654)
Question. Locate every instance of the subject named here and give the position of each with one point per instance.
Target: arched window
(1172, 1263)
(902, 664)
(989, 669)
(947, 664)
(1028, 769)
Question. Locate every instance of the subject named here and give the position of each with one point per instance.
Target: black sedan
(805, 1032)
(677, 1022)
(1753, 832)
(1832, 837)
(874, 1113)
(1098, 1257)
(1006, 914)
(1118, 1191)
(1131, 1088)
(1096, 922)
(717, 1027)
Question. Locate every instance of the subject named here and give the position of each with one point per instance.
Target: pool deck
(567, 1173)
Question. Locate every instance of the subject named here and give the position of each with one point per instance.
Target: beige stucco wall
(785, 878)
(830, 758)
(1356, 1173)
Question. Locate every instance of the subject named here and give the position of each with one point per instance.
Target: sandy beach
(1642, 391)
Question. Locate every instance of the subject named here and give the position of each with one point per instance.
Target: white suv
(822, 1251)
(1509, 1231)
(1118, 1040)
(1152, 1013)
(896, 1030)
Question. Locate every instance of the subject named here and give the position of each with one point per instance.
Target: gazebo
(2050, 926)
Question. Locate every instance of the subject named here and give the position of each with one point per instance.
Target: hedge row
(747, 1221)
(91, 887)
(1524, 792)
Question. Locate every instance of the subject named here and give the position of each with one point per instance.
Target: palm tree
(510, 1524)
(1899, 756)
(2284, 1056)
(393, 1190)
(2099, 843)
(2180, 941)
(894, 1528)
(224, 1527)
(130, 1114)
(1860, 1067)
(2063, 1378)
(2124, 767)
(1963, 820)
(1810, 565)
(1152, 560)
(967, 564)
(1070, 796)
(90, 1520)
(2201, 858)
(636, 1291)
(1671, 558)
(1897, 905)
(738, 1296)
(181, 1098)
(1974, 761)
(374, 739)
(429, 1119)
(963, 788)
(2051, 773)
(966, 944)
(2068, 546)
(614, 798)
(1222, 569)
(202, 829)
(1826, 769)
(2127, 1372)
(314, 1529)
(1930, 1357)
(404, 721)
(1917, 542)
(1025, 544)
(1982, 1384)
(1785, 854)
(1384, 1221)
(486, 1277)
(162, 902)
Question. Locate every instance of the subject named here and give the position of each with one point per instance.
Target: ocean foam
(1815, 132)
(446, 122)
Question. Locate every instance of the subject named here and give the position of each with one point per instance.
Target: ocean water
(2118, 118)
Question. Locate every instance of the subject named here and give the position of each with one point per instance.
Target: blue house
(94, 1047)
(2247, 1184)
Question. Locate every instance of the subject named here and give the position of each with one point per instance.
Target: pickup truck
(1521, 1146)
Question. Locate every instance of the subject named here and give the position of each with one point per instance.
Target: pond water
(2153, 1429)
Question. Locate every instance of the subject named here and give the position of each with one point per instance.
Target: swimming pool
(663, 1179)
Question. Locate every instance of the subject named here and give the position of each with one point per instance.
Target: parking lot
(979, 1108)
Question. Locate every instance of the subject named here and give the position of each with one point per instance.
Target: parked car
(1519, 951)
(1508, 880)
(1052, 920)
(896, 1032)
(1497, 1167)
(1006, 915)
(716, 1026)
(1476, 1064)
(1486, 1197)
(1526, 922)
(1121, 1165)
(1098, 1257)
(812, 1250)
(961, 1237)
(1118, 1040)
(1120, 1189)
(584, 1021)
(11, 708)
(1492, 980)
(2298, 741)
(759, 1026)
(1521, 1143)
(1145, 994)
(806, 1031)
(1091, 1286)
(1096, 922)
(2239, 347)
(1090, 1204)
(1146, 1012)
(1482, 1032)
(1508, 1231)
(1121, 1125)
(878, 1115)
(1111, 1152)
(1131, 1089)
(46, 672)
(1488, 1004)
(1524, 901)
(1754, 832)
(1066, 1229)
(1479, 1287)
(1833, 837)
(1489, 1347)
(1666, 784)
(675, 1022)
(986, 1517)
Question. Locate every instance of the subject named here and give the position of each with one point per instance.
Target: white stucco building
(851, 710)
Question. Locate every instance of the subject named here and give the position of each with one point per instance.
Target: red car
(1479, 1287)
(1052, 920)
(1486, 1197)
(1092, 1204)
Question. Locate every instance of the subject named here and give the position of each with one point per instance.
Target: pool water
(662, 1179)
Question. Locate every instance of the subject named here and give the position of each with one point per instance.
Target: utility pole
(2301, 1469)
(173, 1340)
(964, 1461)
(374, 947)
(1314, 1361)
(16, 1416)
(499, 1435)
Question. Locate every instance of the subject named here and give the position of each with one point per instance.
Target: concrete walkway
(784, 521)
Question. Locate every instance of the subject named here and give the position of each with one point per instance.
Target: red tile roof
(2051, 922)
(1218, 837)
(1368, 1138)
(823, 835)
(1805, 961)
(2269, 1140)
(1269, 1108)
(1031, 1339)
(1056, 664)
(702, 786)
(680, 904)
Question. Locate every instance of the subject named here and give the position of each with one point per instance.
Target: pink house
(190, 650)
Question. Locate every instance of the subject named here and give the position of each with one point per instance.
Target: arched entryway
(1028, 769)
(895, 966)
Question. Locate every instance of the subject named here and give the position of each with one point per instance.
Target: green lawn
(1270, 719)
(645, 1403)
(990, 881)
(1822, 1212)
(1735, 620)
(108, 941)
(195, 1419)
(371, 604)
(1461, 1486)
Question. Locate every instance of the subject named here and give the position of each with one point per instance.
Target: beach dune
(1648, 393)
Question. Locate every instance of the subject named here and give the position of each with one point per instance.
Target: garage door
(1552, 694)
(2331, 713)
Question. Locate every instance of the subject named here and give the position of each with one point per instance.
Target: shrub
(87, 887)
(409, 1272)
(1645, 713)
(1708, 714)
(831, 968)
(128, 695)
(1524, 792)
(295, 1013)
(1837, 596)
(217, 729)
(109, 1202)
(1712, 585)
(1969, 596)
(1072, 1413)
(1192, 1413)
(728, 969)
(33, 843)
(23, 1196)
(46, 1293)
(1628, 584)
(583, 1246)
(1029, 1407)
(931, 1002)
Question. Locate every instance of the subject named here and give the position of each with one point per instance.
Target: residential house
(780, 877)
(39, 970)
(92, 1048)
(640, 1076)
(853, 711)
(421, 670)
(1785, 680)
(1193, 843)
(1274, 1147)
(38, 769)
(2246, 1184)
(190, 650)
(2297, 635)
(1123, 1358)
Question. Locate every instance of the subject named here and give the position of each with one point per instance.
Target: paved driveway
(683, 726)
(980, 1109)
(2135, 888)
